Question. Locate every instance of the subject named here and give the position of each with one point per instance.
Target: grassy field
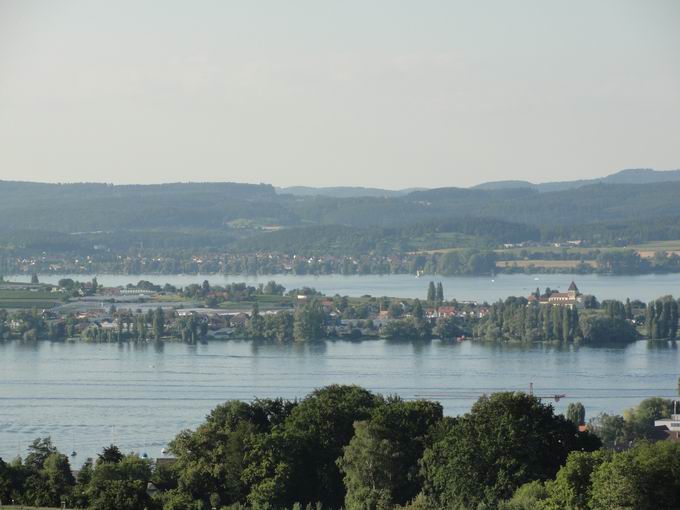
(27, 303)
(161, 298)
(265, 302)
(516, 251)
(551, 249)
(275, 300)
(647, 250)
(554, 264)
(658, 246)
(26, 294)
(21, 298)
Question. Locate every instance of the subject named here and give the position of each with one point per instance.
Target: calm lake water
(139, 396)
(477, 288)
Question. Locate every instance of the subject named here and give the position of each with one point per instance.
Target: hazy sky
(375, 93)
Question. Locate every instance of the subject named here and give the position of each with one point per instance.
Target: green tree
(58, 477)
(297, 461)
(255, 327)
(566, 334)
(309, 322)
(600, 329)
(529, 496)
(380, 464)
(571, 487)
(80, 497)
(210, 460)
(506, 440)
(45, 477)
(447, 327)
(431, 293)
(440, 293)
(418, 312)
(673, 317)
(576, 413)
(7, 478)
(178, 500)
(120, 495)
(110, 454)
(395, 310)
(609, 428)
(639, 420)
(645, 477)
(367, 467)
(158, 323)
(650, 320)
(120, 485)
(38, 452)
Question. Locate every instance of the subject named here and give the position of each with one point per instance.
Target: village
(86, 310)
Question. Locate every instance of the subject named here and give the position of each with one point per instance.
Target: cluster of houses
(223, 323)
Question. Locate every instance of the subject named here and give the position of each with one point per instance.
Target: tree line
(517, 319)
(346, 447)
(662, 318)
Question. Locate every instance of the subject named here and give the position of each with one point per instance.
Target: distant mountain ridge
(628, 176)
(344, 191)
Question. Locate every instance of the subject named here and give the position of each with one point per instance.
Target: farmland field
(647, 250)
(548, 264)
(673, 245)
(22, 298)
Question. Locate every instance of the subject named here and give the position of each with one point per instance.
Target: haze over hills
(628, 176)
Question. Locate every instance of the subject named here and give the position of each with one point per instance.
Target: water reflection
(662, 345)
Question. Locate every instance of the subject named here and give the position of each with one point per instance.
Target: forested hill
(593, 203)
(92, 207)
(628, 176)
(243, 216)
(589, 204)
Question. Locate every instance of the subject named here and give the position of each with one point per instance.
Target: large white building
(572, 298)
(672, 425)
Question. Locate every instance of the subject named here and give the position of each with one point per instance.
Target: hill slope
(223, 216)
(629, 176)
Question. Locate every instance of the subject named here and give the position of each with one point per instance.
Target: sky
(384, 93)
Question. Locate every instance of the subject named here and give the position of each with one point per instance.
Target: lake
(474, 288)
(87, 396)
